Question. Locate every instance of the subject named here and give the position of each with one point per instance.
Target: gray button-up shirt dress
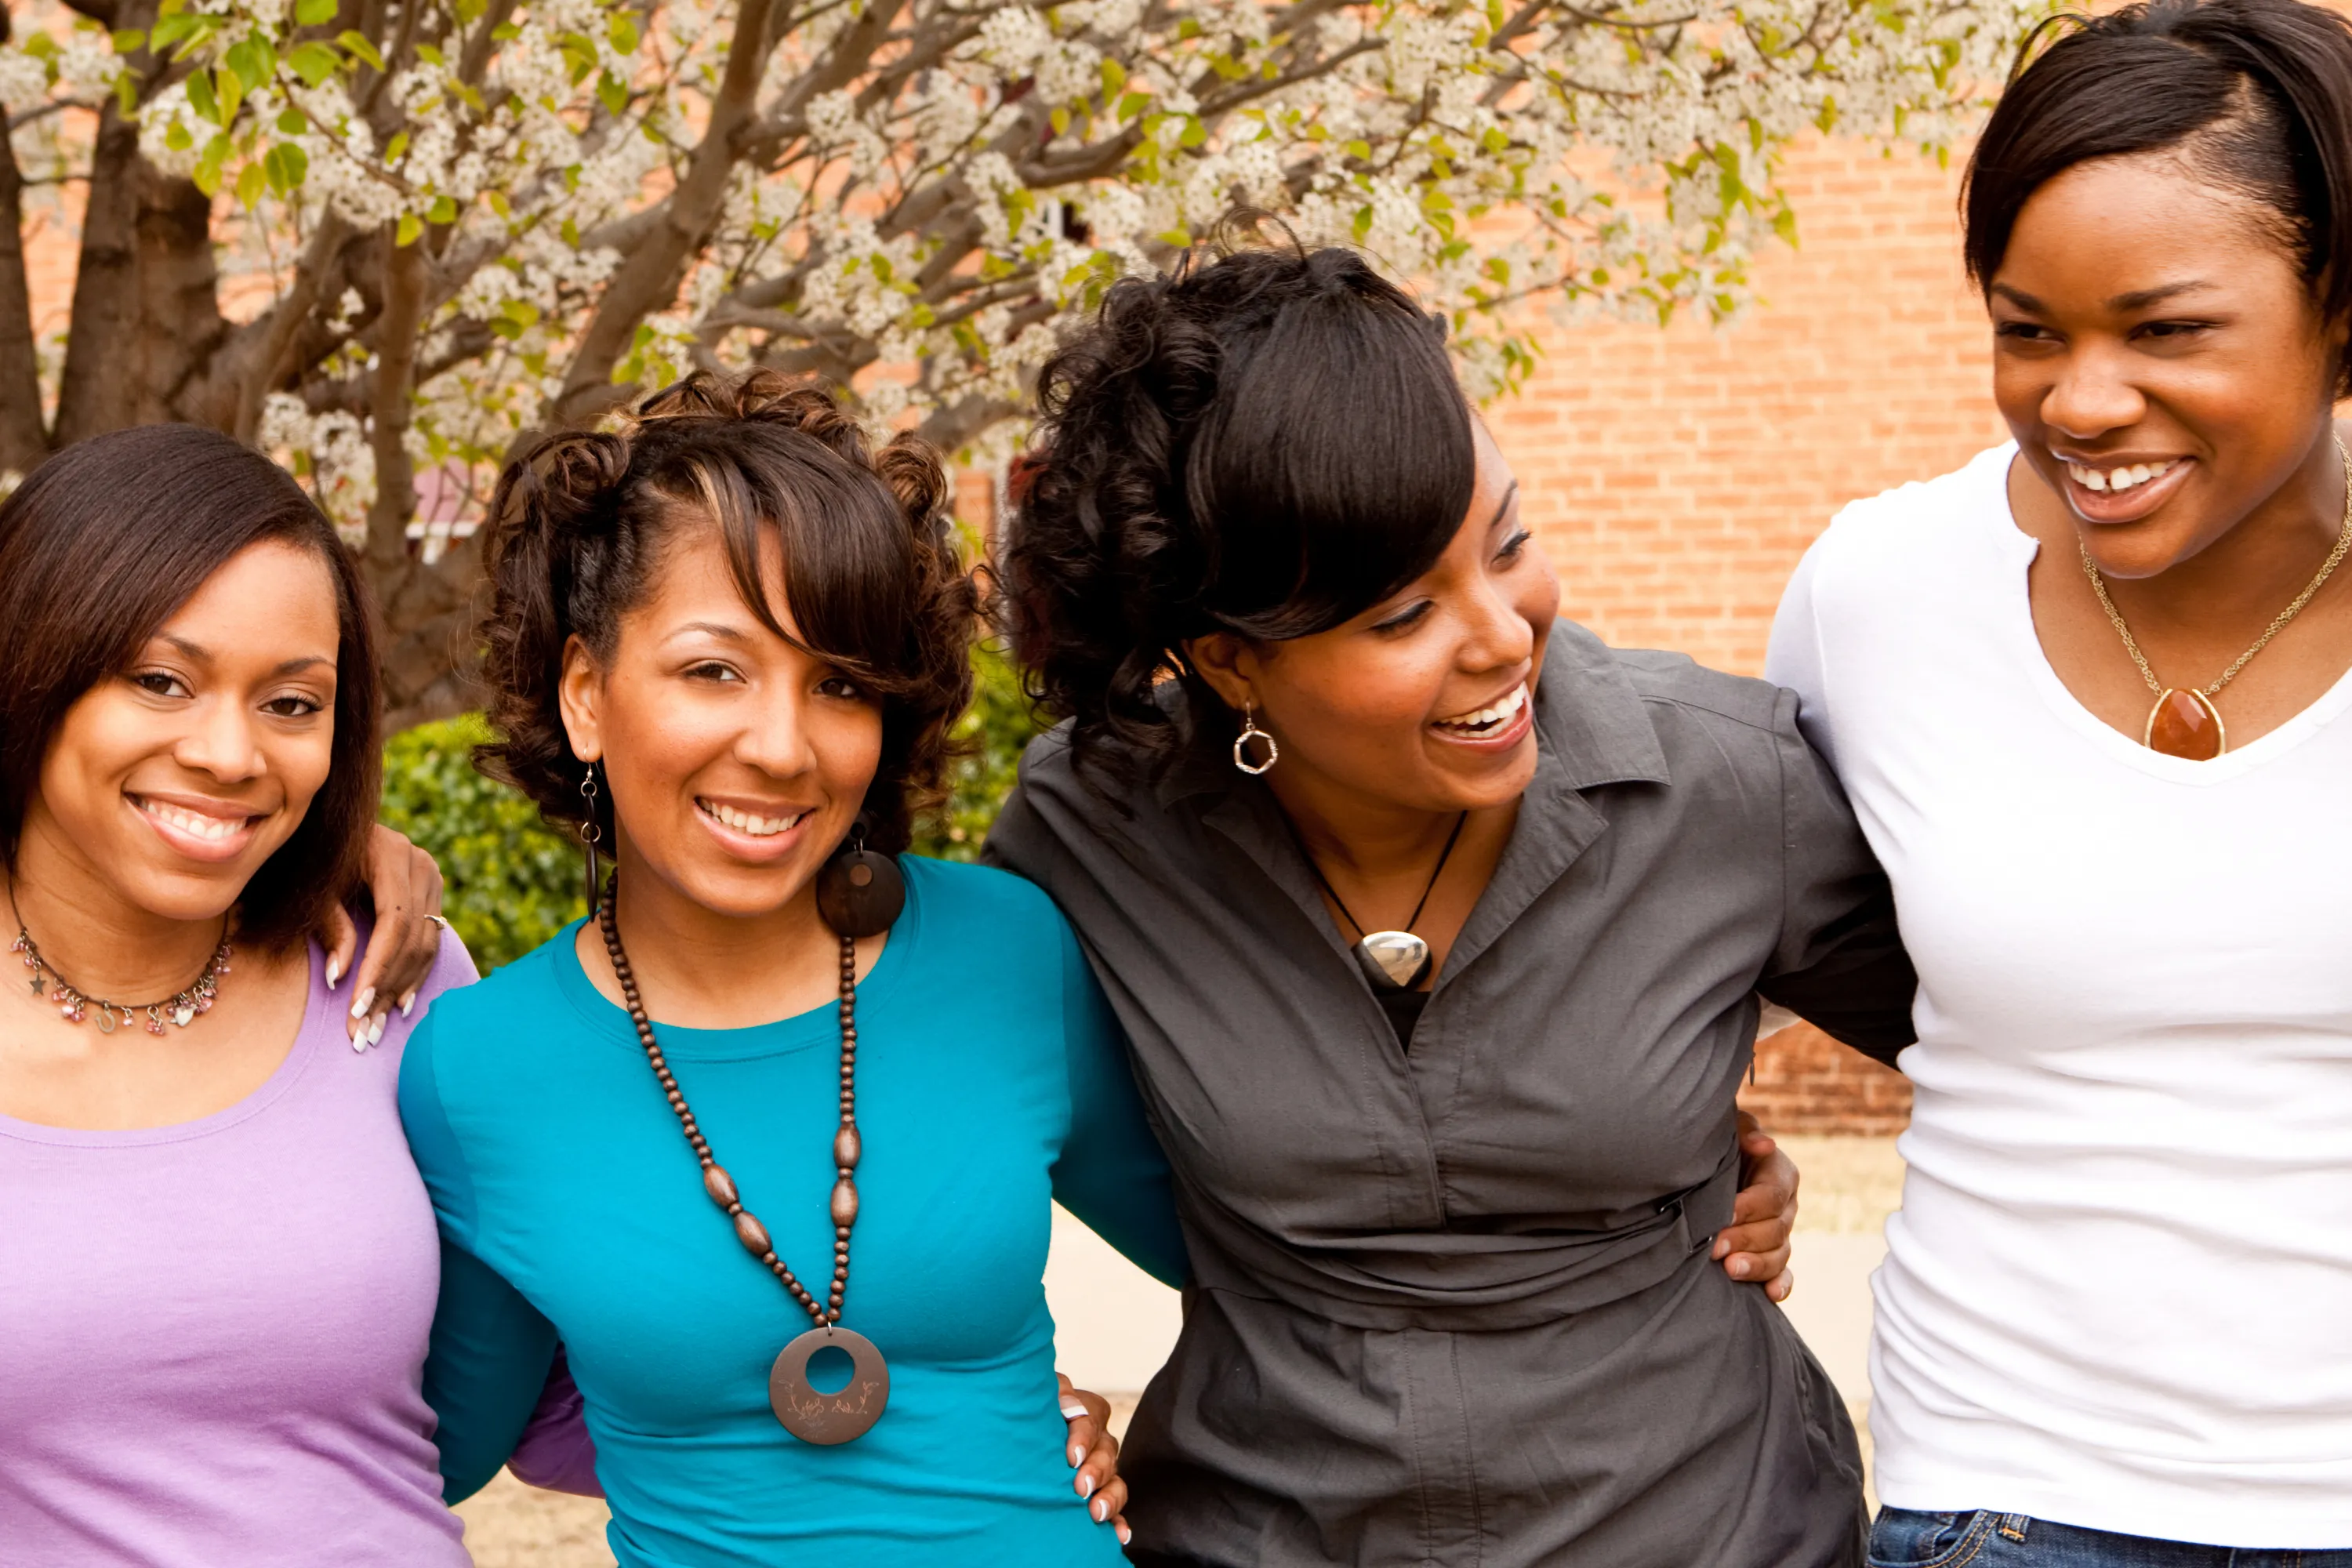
(1452, 1305)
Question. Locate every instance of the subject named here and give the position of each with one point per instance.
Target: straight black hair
(2255, 95)
(1267, 441)
(98, 547)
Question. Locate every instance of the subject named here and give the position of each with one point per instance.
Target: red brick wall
(1676, 477)
(1807, 1082)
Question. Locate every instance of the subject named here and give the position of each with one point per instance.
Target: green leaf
(521, 312)
(292, 121)
(613, 93)
(177, 138)
(42, 47)
(1194, 133)
(169, 30)
(207, 175)
(1363, 221)
(200, 98)
(1060, 121)
(1114, 77)
(230, 90)
(314, 62)
(1133, 104)
(130, 41)
(431, 56)
(254, 61)
(443, 210)
(406, 235)
(624, 33)
(287, 166)
(505, 33)
(1359, 149)
(394, 148)
(314, 13)
(360, 48)
(250, 184)
(571, 233)
(1181, 238)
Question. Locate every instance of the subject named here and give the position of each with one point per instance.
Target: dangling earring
(860, 892)
(591, 834)
(1250, 731)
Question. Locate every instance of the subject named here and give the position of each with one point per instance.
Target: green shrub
(514, 881)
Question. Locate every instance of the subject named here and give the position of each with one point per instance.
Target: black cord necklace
(1390, 960)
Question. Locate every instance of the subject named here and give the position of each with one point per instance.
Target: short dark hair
(871, 574)
(98, 547)
(1266, 441)
(2255, 95)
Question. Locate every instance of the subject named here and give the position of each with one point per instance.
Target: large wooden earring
(860, 892)
(591, 834)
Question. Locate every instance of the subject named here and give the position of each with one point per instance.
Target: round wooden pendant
(847, 1413)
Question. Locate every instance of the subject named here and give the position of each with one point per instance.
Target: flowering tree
(382, 237)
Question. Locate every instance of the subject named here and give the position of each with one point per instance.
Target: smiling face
(170, 784)
(2158, 357)
(735, 761)
(1423, 702)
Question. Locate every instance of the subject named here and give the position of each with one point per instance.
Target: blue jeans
(1902, 1538)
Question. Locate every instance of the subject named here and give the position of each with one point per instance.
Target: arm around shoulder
(1839, 964)
(491, 1351)
(1112, 1172)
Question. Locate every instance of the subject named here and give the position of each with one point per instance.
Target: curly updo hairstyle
(871, 573)
(1267, 442)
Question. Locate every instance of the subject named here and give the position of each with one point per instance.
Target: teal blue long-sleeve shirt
(990, 1079)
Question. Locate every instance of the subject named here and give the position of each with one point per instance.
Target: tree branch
(389, 404)
(273, 357)
(649, 278)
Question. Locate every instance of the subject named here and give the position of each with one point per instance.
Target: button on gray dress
(1453, 1305)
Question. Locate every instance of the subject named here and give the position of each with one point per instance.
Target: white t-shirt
(2119, 1291)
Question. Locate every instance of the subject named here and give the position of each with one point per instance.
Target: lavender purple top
(212, 1334)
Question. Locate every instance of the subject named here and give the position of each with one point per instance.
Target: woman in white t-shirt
(2088, 695)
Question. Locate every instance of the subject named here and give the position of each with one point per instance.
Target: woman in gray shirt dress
(1450, 1221)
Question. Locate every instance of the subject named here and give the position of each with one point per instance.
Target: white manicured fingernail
(408, 1004)
(1126, 1536)
(1073, 1410)
(1076, 1453)
(376, 1031)
(335, 971)
(1085, 1486)
(1100, 1509)
(363, 1002)
(360, 1041)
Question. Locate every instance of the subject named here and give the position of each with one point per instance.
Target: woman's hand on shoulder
(1094, 1454)
(406, 888)
(1754, 1247)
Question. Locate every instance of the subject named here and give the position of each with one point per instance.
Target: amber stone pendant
(849, 1412)
(2185, 723)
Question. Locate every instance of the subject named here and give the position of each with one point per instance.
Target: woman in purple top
(217, 1264)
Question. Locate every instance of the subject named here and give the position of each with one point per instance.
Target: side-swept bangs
(98, 547)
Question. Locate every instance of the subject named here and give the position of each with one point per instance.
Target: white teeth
(744, 822)
(194, 823)
(2106, 481)
(1490, 717)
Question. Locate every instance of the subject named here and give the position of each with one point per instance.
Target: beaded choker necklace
(73, 1005)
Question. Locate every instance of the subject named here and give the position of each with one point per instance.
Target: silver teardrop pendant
(1393, 960)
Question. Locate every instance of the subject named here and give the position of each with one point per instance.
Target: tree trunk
(23, 441)
(146, 317)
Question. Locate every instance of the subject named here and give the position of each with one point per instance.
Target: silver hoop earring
(1250, 731)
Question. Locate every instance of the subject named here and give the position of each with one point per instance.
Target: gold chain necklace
(2185, 723)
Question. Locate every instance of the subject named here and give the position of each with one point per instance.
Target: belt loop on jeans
(2012, 1526)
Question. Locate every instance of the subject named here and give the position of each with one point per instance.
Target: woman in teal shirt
(746, 639)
